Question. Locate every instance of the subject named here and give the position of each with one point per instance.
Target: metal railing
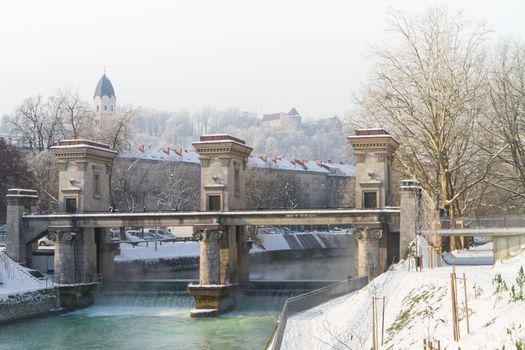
(311, 299)
(483, 222)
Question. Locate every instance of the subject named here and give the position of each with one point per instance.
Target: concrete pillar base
(212, 300)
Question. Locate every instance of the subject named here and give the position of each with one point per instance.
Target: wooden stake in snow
(466, 301)
(452, 304)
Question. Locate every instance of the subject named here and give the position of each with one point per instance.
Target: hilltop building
(104, 100)
(292, 119)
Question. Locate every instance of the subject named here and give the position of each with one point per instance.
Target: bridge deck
(370, 217)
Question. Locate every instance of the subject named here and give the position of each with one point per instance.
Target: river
(105, 326)
(136, 320)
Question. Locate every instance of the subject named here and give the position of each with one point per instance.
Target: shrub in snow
(516, 340)
(517, 292)
(501, 286)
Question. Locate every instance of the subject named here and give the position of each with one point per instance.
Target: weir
(84, 252)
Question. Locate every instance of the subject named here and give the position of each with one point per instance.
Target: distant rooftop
(370, 132)
(81, 142)
(221, 137)
(277, 116)
(147, 152)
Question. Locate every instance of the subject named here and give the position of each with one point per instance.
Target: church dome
(104, 88)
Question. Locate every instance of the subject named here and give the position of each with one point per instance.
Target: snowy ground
(14, 278)
(128, 252)
(418, 306)
(165, 251)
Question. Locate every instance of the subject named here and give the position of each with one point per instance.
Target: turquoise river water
(136, 324)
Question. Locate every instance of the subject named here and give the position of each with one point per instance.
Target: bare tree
(178, 190)
(204, 119)
(77, 115)
(288, 192)
(260, 188)
(128, 183)
(430, 91)
(178, 129)
(36, 123)
(44, 167)
(116, 132)
(507, 95)
(14, 172)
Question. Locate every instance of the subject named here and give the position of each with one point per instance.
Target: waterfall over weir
(260, 296)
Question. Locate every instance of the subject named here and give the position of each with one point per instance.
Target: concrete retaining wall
(507, 246)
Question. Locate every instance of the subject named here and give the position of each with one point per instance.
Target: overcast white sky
(172, 54)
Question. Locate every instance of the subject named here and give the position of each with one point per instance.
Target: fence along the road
(311, 299)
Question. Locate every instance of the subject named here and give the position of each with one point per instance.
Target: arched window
(105, 108)
(111, 108)
(98, 108)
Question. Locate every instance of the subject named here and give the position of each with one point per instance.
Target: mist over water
(317, 267)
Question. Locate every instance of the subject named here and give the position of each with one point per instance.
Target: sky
(261, 56)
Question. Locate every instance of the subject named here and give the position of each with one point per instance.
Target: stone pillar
(107, 251)
(223, 161)
(84, 187)
(19, 201)
(85, 256)
(243, 251)
(373, 152)
(213, 294)
(209, 269)
(64, 257)
(410, 193)
(368, 259)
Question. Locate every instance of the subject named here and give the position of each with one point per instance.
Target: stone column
(64, 257)
(410, 193)
(367, 256)
(214, 293)
(19, 201)
(108, 250)
(243, 251)
(209, 267)
(85, 255)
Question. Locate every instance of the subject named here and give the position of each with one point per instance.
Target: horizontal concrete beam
(246, 217)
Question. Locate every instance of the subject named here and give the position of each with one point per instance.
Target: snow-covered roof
(277, 163)
(160, 154)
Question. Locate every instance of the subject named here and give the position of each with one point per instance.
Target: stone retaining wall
(30, 304)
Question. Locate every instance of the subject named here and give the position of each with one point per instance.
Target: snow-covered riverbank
(418, 306)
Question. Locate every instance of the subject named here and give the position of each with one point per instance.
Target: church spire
(104, 100)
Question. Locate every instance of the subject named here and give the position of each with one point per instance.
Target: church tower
(104, 100)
